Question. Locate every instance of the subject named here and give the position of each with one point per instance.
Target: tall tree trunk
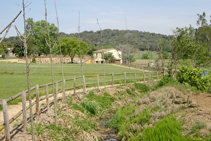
(71, 59)
(27, 72)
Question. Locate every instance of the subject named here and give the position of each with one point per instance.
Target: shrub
(90, 106)
(165, 81)
(142, 87)
(192, 76)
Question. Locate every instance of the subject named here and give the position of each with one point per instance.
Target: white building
(116, 53)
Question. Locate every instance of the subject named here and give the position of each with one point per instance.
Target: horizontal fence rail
(151, 75)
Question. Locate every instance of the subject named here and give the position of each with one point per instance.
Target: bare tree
(51, 46)
(24, 40)
(79, 42)
(7, 28)
(61, 58)
(128, 53)
(102, 53)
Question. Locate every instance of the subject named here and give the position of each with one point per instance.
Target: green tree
(131, 58)
(39, 33)
(18, 49)
(109, 57)
(3, 49)
(70, 46)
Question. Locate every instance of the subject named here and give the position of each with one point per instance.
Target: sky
(155, 16)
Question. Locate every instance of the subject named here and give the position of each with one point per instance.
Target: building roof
(103, 50)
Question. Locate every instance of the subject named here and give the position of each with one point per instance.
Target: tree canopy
(70, 46)
(39, 33)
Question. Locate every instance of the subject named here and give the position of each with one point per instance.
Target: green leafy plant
(193, 76)
(90, 106)
(142, 87)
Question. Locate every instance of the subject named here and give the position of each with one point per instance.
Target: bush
(165, 81)
(145, 56)
(90, 106)
(194, 77)
(142, 87)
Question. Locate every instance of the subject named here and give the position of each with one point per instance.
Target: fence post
(135, 76)
(55, 103)
(125, 78)
(157, 75)
(151, 75)
(144, 76)
(112, 79)
(24, 110)
(63, 90)
(74, 86)
(47, 97)
(98, 82)
(6, 120)
(37, 102)
(84, 84)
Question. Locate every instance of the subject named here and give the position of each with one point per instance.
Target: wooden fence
(151, 75)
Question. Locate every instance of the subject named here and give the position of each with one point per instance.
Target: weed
(166, 129)
(90, 106)
(142, 87)
(39, 129)
(77, 107)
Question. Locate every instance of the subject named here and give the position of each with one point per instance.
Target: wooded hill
(114, 38)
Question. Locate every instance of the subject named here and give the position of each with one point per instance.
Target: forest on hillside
(112, 39)
(115, 38)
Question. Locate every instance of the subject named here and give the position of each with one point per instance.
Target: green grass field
(152, 54)
(13, 77)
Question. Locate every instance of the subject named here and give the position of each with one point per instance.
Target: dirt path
(131, 68)
(13, 61)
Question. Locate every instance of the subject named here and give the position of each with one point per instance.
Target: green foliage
(165, 81)
(166, 129)
(18, 49)
(3, 49)
(104, 101)
(38, 29)
(109, 57)
(145, 56)
(131, 58)
(142, 87)
(136, 39)
(39, 129)
(77, 107)
(85, 124)
(124, 117)
(70, 46)
(192, 76)
(90, 107)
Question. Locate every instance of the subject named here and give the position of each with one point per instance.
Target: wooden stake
(157, 75)
(47, 97)
(135, 77)
(55, 103)
(6, 120)
(37, 103)
(112, 83)
(84, 84)
(24, 110)
(144, 76)
(63, 90)
(98, 82)
(74, 86)
(151, 75)
(125, 78)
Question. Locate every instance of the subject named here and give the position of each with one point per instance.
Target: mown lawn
(13, 75)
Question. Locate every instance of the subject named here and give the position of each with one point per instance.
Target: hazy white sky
(157, 16)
